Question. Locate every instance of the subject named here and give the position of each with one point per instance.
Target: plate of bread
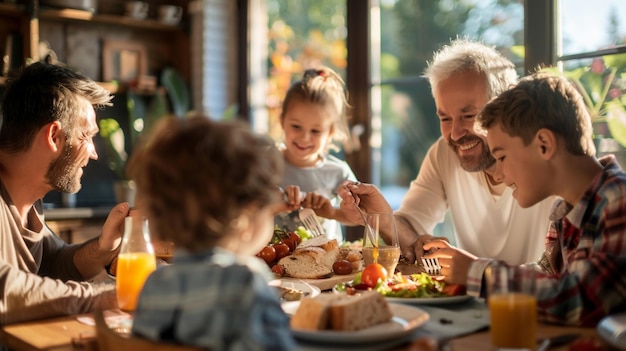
(354, 319)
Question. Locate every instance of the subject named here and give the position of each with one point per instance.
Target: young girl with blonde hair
(314, 121)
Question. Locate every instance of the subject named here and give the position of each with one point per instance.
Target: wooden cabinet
(79, 38)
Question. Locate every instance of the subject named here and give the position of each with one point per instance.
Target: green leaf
(177, 91)
(616, 120)
(113, 137)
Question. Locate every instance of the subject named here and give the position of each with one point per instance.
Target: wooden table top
(68, 334)
(56, 334)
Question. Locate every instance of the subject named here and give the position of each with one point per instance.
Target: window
(302, 34)
(404, 123)
(594, 56)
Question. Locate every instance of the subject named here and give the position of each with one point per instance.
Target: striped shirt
(213, 299)
(582, 275)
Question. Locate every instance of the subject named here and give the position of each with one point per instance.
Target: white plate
(405, 320)
(308, 290)
(444, 300)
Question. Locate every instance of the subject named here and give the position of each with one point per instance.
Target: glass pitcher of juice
(135, 262)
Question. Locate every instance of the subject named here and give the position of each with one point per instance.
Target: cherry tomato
(342, 267)
(278, 270)
(372, 273)
(453, 289)
(268, 254)
(295, 237)
(291, 244)
(585, 344)
(282, 250)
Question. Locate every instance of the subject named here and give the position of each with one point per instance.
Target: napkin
(456, 320)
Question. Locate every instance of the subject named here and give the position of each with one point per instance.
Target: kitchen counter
(63, 213)
(76, 224)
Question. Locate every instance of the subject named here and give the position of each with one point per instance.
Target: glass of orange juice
(376, 249)
(512, 307)
(135, 262)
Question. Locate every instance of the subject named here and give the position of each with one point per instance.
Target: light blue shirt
(215, 300)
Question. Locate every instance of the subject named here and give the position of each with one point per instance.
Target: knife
(555, 341)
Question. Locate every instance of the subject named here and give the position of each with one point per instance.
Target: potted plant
(603, 86)
(141, 120)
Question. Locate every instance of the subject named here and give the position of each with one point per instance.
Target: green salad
(419, 285)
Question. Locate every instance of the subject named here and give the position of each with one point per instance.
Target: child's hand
(320, 204)
(292, 198)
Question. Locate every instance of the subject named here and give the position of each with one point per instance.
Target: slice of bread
(319, 241)
(341, 312)
(312, 259)
(312, 314)
(360, 311)
(304, 266)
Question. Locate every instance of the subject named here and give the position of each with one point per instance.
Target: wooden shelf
(69, 15)
(11, 9)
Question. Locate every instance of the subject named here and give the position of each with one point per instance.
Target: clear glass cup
(135, 262)
(375, 247)
(512, 307)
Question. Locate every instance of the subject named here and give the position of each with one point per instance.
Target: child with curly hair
(210, 188)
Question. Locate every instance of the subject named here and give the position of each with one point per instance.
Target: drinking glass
(135, 262)
(512, 307)
(375, 248)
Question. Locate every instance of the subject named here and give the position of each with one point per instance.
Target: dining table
(75, 333)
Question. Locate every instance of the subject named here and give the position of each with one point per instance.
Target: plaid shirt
(214, 300)
(582, 274)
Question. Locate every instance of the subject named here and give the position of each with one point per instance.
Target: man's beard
(470, 163)
(62, 172)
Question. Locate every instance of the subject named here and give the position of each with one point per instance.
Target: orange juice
(132, 270)
(388, 256)
(513, 320)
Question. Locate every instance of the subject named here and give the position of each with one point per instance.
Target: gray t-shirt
(323, 179)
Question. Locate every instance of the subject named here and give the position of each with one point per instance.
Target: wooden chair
(109, 340)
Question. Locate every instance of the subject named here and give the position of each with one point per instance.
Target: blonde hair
(324, 87)
(196, 178)
(542, 100)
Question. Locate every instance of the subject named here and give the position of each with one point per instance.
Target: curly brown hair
(195, 177)
(542, 100)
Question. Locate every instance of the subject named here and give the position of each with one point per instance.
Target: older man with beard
(458, 171)
(46, 138)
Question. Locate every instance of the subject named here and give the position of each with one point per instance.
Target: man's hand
(113, 228)
(454, 262)
(416, 251)
(95, 254)
(366, 196)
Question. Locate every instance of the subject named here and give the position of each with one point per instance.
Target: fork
(311, 222)
(431, 266)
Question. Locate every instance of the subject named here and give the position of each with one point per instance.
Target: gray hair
(464, 55)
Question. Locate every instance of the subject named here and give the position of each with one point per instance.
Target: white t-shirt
(485, 225)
